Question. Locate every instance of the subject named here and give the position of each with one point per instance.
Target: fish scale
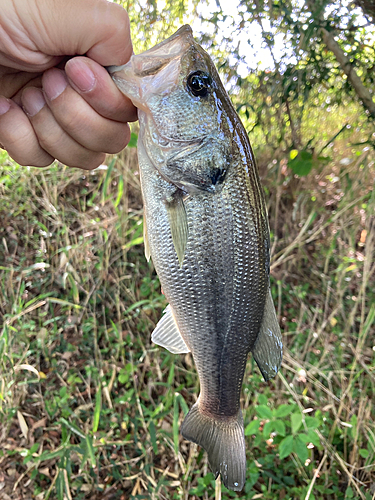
(206, 230)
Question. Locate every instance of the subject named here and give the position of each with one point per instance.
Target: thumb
(96, 28)
(107, 40)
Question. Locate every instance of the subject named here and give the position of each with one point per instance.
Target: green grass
(89, 408)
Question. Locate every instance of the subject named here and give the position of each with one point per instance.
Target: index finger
(95, 85)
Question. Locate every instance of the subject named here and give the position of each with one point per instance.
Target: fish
(206, 230)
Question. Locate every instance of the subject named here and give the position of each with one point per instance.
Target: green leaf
(262, 399)
(208, 478)
(62, 302)
(349, 492)
(311, 422)
(73, 428)
(302, 163)
(300, 449)
(120, 190)
(364, 453)
(171, 376)
(34, 448)
(152, 431)
(183, 405)
(268, 428)
(286, 447)
(133, 140)
(252, 428)
(90, 450)
(293, 154)
(353, 430)
(305, 155)
(132, 243)
(264, 412)
(296, 420)
(74, 287)
(279, 427)
(60, 485)
(304, 438)
(314, 438)
(46, 455)
(175, 424)
(136, 305)
(97, 410)
(85, 456)
(283, 410)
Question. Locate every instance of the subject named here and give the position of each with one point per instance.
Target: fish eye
(199, 83)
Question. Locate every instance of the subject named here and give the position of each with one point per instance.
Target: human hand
(50, 110)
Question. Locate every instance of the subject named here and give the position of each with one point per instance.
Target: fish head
(184, 111)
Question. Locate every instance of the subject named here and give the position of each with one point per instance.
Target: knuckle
(51, 140)
(47, 142)
(74, 121)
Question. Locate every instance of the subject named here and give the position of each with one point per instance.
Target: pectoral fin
(268, 350)
(168, 335)
(178, 222)
(145, 240)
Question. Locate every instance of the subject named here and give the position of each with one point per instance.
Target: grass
(89, 408)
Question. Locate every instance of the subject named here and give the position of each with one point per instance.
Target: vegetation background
(89, 408)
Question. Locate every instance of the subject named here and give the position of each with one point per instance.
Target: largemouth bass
(206, 229)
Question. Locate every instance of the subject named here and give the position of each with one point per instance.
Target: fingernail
(4, 105)
(81, 76)
(33, 100)
(54, 83)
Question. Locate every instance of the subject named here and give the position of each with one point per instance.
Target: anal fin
(167, 334)
(268, 350)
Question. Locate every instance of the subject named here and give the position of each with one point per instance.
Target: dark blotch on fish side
(218, 176)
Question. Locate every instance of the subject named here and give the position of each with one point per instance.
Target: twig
(316, 474)
(26, 311)
(52, 484)
(218, 489)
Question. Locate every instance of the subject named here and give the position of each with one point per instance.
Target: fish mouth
(153, 71)
(152, 60)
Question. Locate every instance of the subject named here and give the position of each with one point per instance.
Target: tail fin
(224, 442)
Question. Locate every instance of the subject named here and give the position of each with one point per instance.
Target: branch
(346, 66)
